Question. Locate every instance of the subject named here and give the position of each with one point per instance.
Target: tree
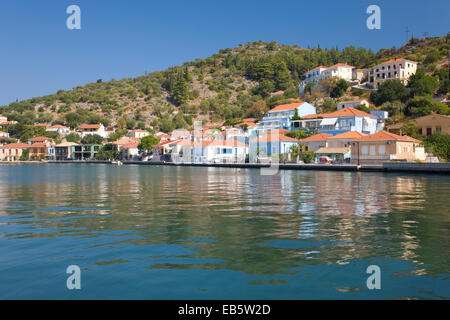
(340, 88)
(258, 109)
(122, 123)
(281, 76)
(420, 84)
(73, 137)
(296, 116)
(309, 86)
(92, 139)
(439, 143)
(107, 152)
(363, 107)
(328, 105)
(298, 134)
(147, 143)
(394, 108)
(25, 155)
(308, 156)
(390, 90)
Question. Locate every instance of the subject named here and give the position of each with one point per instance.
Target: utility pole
(407, 34)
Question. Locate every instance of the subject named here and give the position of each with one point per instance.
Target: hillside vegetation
(233, 84)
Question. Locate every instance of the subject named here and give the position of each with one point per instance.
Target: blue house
(334, 123)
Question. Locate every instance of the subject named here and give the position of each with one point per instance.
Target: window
(381, 149)
(364, 150)
(399, 149)
(438, 129)
(428, 131)
(372, 150)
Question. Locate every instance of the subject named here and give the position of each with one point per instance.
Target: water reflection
(180, 218)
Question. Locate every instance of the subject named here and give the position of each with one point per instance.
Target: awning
(328, 122)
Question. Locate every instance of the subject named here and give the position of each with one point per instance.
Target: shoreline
(441, 167)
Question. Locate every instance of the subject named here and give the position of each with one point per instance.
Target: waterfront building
(336, 155)
(163, 136)
(129, 151)
(164, 147)
(64, 151)
(12, 151)
(340, 121)
(138, 133)
(38, 151)
(281, 116)
(344, 140)
(385, 146)
(85, 151)
(400, 69)
(316, 141)
(271, 145)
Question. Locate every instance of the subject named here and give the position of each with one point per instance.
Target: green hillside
(228, 86)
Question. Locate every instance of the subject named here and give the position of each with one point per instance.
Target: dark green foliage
(439, 143)
(107, 152)
(73, 137)
(339, 89)
(92, 139)
(298, 134)
(389, 90)
(421, 84)
(148, 142)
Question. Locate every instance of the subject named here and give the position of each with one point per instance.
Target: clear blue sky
(39, 55)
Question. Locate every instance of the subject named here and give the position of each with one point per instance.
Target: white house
(352, 104)
(3, 118)
(129, 151)
(400, 69)
(62, 130)
(99, 129)
(138, 133)
(341, 70)
(270, 145)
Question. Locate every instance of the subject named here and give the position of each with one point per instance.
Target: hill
(228, 86)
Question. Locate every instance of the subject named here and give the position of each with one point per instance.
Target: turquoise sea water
(144, 232)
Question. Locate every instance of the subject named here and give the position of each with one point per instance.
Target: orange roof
(341, 65)
(349, 135)
(39, 139)
(273, 137)
(287, 106)
(317, 137)
(319, 67)
(57, 127)
(38, 145)
(16, 145)
(345, 112)
(277, 92)
(90, 126)
(3, 132)
(165, 142)
(41, 125)
(8, 122)
(130, 145)
(384, 135)
(227, 143)
(393, 60)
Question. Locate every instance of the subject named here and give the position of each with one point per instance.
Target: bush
(439, 143)
(308, 156)
(390, 90)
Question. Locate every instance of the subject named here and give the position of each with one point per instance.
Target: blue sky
(39, 55)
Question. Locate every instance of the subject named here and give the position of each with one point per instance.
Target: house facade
(61, 130)
(340, 121)
(433, 123)
(341, 70)
(85, 151)
(352, 103)
(64, 151)
(138, 133)
(270, 146)
(385, 146)
(98, 129)
(316, 141)
(12, 151)
(400, 69)
(281, 116)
